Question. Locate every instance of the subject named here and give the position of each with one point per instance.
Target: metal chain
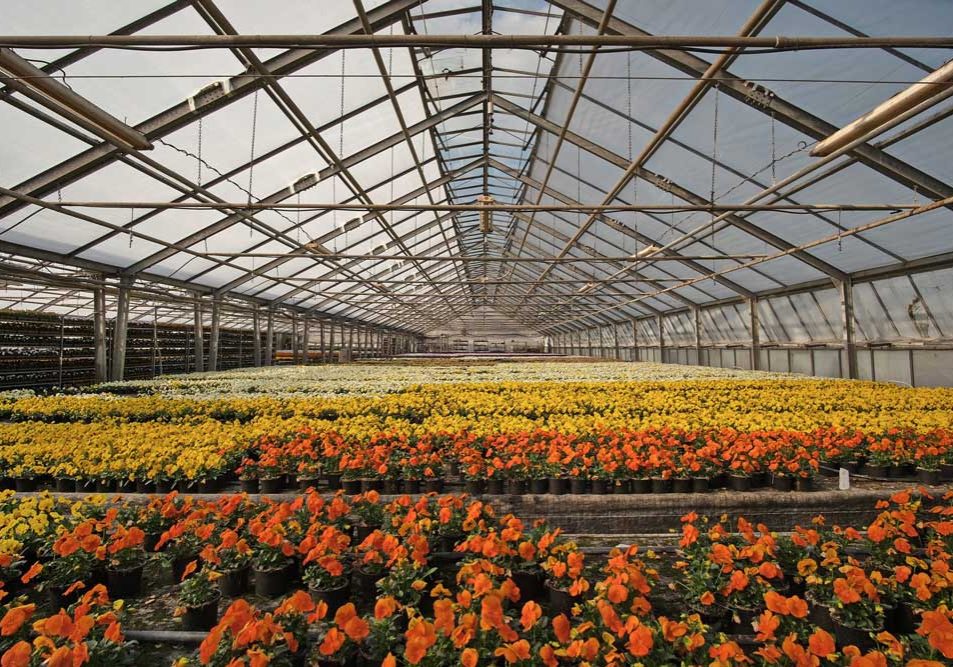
(251, 159)
(198, 161)
(840, 232)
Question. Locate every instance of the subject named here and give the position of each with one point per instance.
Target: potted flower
(328, 579)
(198, 598)
(271, 562)
(231, 558)
(565, 580)
(126, 561)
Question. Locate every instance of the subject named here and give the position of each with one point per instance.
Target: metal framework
(329, 175)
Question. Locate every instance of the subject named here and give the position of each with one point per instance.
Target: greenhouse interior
(603, 333)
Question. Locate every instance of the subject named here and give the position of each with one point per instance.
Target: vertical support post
(199, 335)
(350, 343)
(270, 338)
(324, 356)
(847, 324)
(635, 339)
(698, 336)
(121, 330)
(615, 334)
(661, 339)
(305, 343)
(62, 336)
(214, 335)
(155, 338)
(755, 335)
(158, 347)
(99, 334)
(294, 339)
(256, 336)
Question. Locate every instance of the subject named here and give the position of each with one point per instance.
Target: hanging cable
(714, 160)
(251, 159)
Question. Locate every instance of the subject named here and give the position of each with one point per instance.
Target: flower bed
(442, 580)
(109, 441)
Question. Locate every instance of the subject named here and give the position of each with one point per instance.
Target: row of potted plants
(657, 460)
(441, 580)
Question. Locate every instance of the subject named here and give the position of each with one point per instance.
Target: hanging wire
(251, 159)
(132, 218)
(774, 153)
(198, 161)
(840, 233)
(714, 160)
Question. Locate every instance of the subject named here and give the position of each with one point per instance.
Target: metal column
(305, 342)
(99, 334)
(755, 335)
(199, 336)
(270, 339)
(847, 325)
(120, 332)
(661, 339)
(698, 336)
(214, 335)
(294, 339)
(256, 336)
(635, 340)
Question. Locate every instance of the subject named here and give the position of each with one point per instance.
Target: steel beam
(120, 332)
(183, 113)
(101, 363)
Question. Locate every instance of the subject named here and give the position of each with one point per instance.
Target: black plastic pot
(24, 484)
(143, 486)
(739, 482)
(946, 472)
(682, 485)
(700, 485)
(201, 618)
(820, 614)
(391, 486)
(902, 620)
(556, 486)
(783, 483)
(271, 484)
(361, 532)
(433, 485)
(333, 480)
(599, 487)
(531, 585)
(149, 542)
(305, 483)
(272, 583)
(641, 485)
(104, 485)
(411, 486)
(234, 583)
(661, 485)
(719, 481)
(179, 563)
(515, 487)
(804, 484)
(209, 486)
(621, 487)
(578, 486)
(896, 472)
(474, 487)
(335, 598)
(371, 484)
(124, 583)
(538, 486)
(560, 601)
(65, 484)
(364, 583)
(351, 487)
(56, 598)
(875, 470)
(862, 638)
(494, 486)
(249, 485)
(126, 486)
(164, 486)
(760, 479)
(928, 477)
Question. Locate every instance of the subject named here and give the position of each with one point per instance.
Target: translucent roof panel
(546, 129)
